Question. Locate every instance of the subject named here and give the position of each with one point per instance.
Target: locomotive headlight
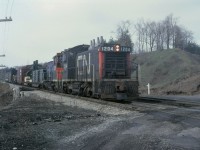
(117, 48)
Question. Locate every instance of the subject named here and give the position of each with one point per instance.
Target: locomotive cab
(116, 76)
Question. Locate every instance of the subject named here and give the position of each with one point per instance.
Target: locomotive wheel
(98, 96)
(89, 94)
(40, 86)
(69, 91)
(87, 91)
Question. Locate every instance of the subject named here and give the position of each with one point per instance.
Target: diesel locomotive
(100, 70)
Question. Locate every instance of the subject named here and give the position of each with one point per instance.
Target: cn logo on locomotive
(83, 61)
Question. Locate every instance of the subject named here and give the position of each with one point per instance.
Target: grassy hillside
(167, 68)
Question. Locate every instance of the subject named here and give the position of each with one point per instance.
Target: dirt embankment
(187, 86)
(169, 72)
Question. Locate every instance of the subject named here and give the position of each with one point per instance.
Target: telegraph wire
(7, 8)
(9, 13)
(5, 32)
(5, 28)
(11, 8)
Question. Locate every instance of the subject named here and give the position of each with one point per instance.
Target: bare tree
(160, 36)
(182, 37)
(123, 33)
(169, 24)
(140, 32)
(150, 34)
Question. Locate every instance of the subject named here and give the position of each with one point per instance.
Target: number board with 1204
(111, 49)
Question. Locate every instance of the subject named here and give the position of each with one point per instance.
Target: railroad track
(144, 105)
(169, 101)
(132, 106)
(143, 102)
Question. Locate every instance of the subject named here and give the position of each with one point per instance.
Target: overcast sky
(41, 28)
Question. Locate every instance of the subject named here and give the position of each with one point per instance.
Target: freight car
(42, 75)
(100, 70)
(8, 75)
(22, 72)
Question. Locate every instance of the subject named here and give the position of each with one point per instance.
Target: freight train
(100, 70)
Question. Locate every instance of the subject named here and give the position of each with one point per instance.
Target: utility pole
(2, 66)
(2, 56)
(5, 20)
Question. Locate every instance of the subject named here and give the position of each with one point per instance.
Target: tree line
(151, 36)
